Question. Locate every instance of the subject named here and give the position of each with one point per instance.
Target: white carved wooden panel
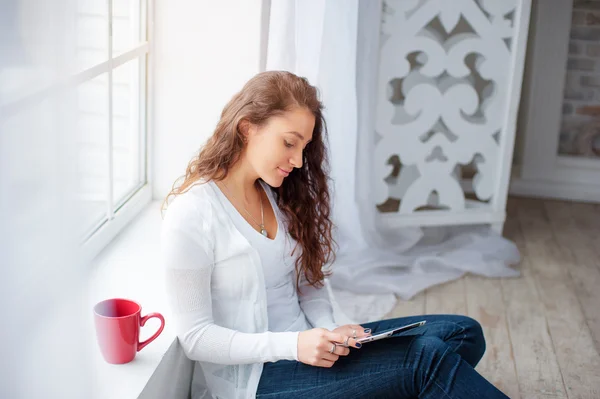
(448, 89)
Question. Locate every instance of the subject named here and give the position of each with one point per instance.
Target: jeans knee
(425, 355)
(474, 334)
(431, 344)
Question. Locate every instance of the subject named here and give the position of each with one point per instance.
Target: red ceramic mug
(118, 323)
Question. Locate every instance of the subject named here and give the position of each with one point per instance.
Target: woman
(244, 241)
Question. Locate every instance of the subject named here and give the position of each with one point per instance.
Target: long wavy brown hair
(304, 195)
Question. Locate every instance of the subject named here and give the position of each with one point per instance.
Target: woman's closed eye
(288, 144)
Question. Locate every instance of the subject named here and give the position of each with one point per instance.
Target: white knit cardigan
(216, 291)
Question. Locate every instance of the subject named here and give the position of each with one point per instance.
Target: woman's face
(275, 148)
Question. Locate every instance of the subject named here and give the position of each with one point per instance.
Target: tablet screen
(390, 332)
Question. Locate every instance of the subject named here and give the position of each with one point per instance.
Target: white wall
(205, 51)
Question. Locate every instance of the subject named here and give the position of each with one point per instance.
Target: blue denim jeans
(435, 361)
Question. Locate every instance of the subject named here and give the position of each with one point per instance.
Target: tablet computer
(390, 332)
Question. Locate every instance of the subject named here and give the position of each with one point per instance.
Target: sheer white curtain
(41, 281)
(335, 44)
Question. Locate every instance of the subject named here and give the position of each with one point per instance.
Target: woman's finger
(342, 351)
(353, 343)
(347, 343)
(332, 357)
(333, 336)
(361, 331)
(339, 349)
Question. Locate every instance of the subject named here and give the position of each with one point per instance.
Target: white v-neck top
(278, 264)
(216, 289)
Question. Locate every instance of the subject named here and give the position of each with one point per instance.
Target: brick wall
(582, 82)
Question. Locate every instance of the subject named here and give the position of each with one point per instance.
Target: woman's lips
(284, 173)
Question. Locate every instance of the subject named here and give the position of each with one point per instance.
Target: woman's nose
(296, 160)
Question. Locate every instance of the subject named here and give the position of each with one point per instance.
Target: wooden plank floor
(543, 328)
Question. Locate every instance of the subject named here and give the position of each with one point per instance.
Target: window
(111, 108)
(73, 102)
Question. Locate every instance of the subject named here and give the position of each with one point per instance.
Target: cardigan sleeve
(316, 305)
(188, 261)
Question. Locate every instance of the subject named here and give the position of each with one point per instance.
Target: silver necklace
(263, 231)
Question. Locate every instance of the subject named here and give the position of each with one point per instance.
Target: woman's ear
(246, 129)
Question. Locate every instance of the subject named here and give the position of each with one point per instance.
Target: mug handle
(143, 321)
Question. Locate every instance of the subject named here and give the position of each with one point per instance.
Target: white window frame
(119, 215)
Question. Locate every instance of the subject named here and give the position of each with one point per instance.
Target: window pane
(126, 25)
(92, 151)
(128, 129)
(91, 33)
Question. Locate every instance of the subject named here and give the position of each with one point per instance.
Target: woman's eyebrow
(298, 135)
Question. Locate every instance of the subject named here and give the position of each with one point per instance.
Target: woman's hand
(353, 330)
(314, 347)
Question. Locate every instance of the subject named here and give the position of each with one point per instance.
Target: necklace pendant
(263, 231)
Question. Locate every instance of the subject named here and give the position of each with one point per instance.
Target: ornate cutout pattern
(442, 90)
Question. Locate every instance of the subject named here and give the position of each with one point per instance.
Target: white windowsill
(129, 268)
